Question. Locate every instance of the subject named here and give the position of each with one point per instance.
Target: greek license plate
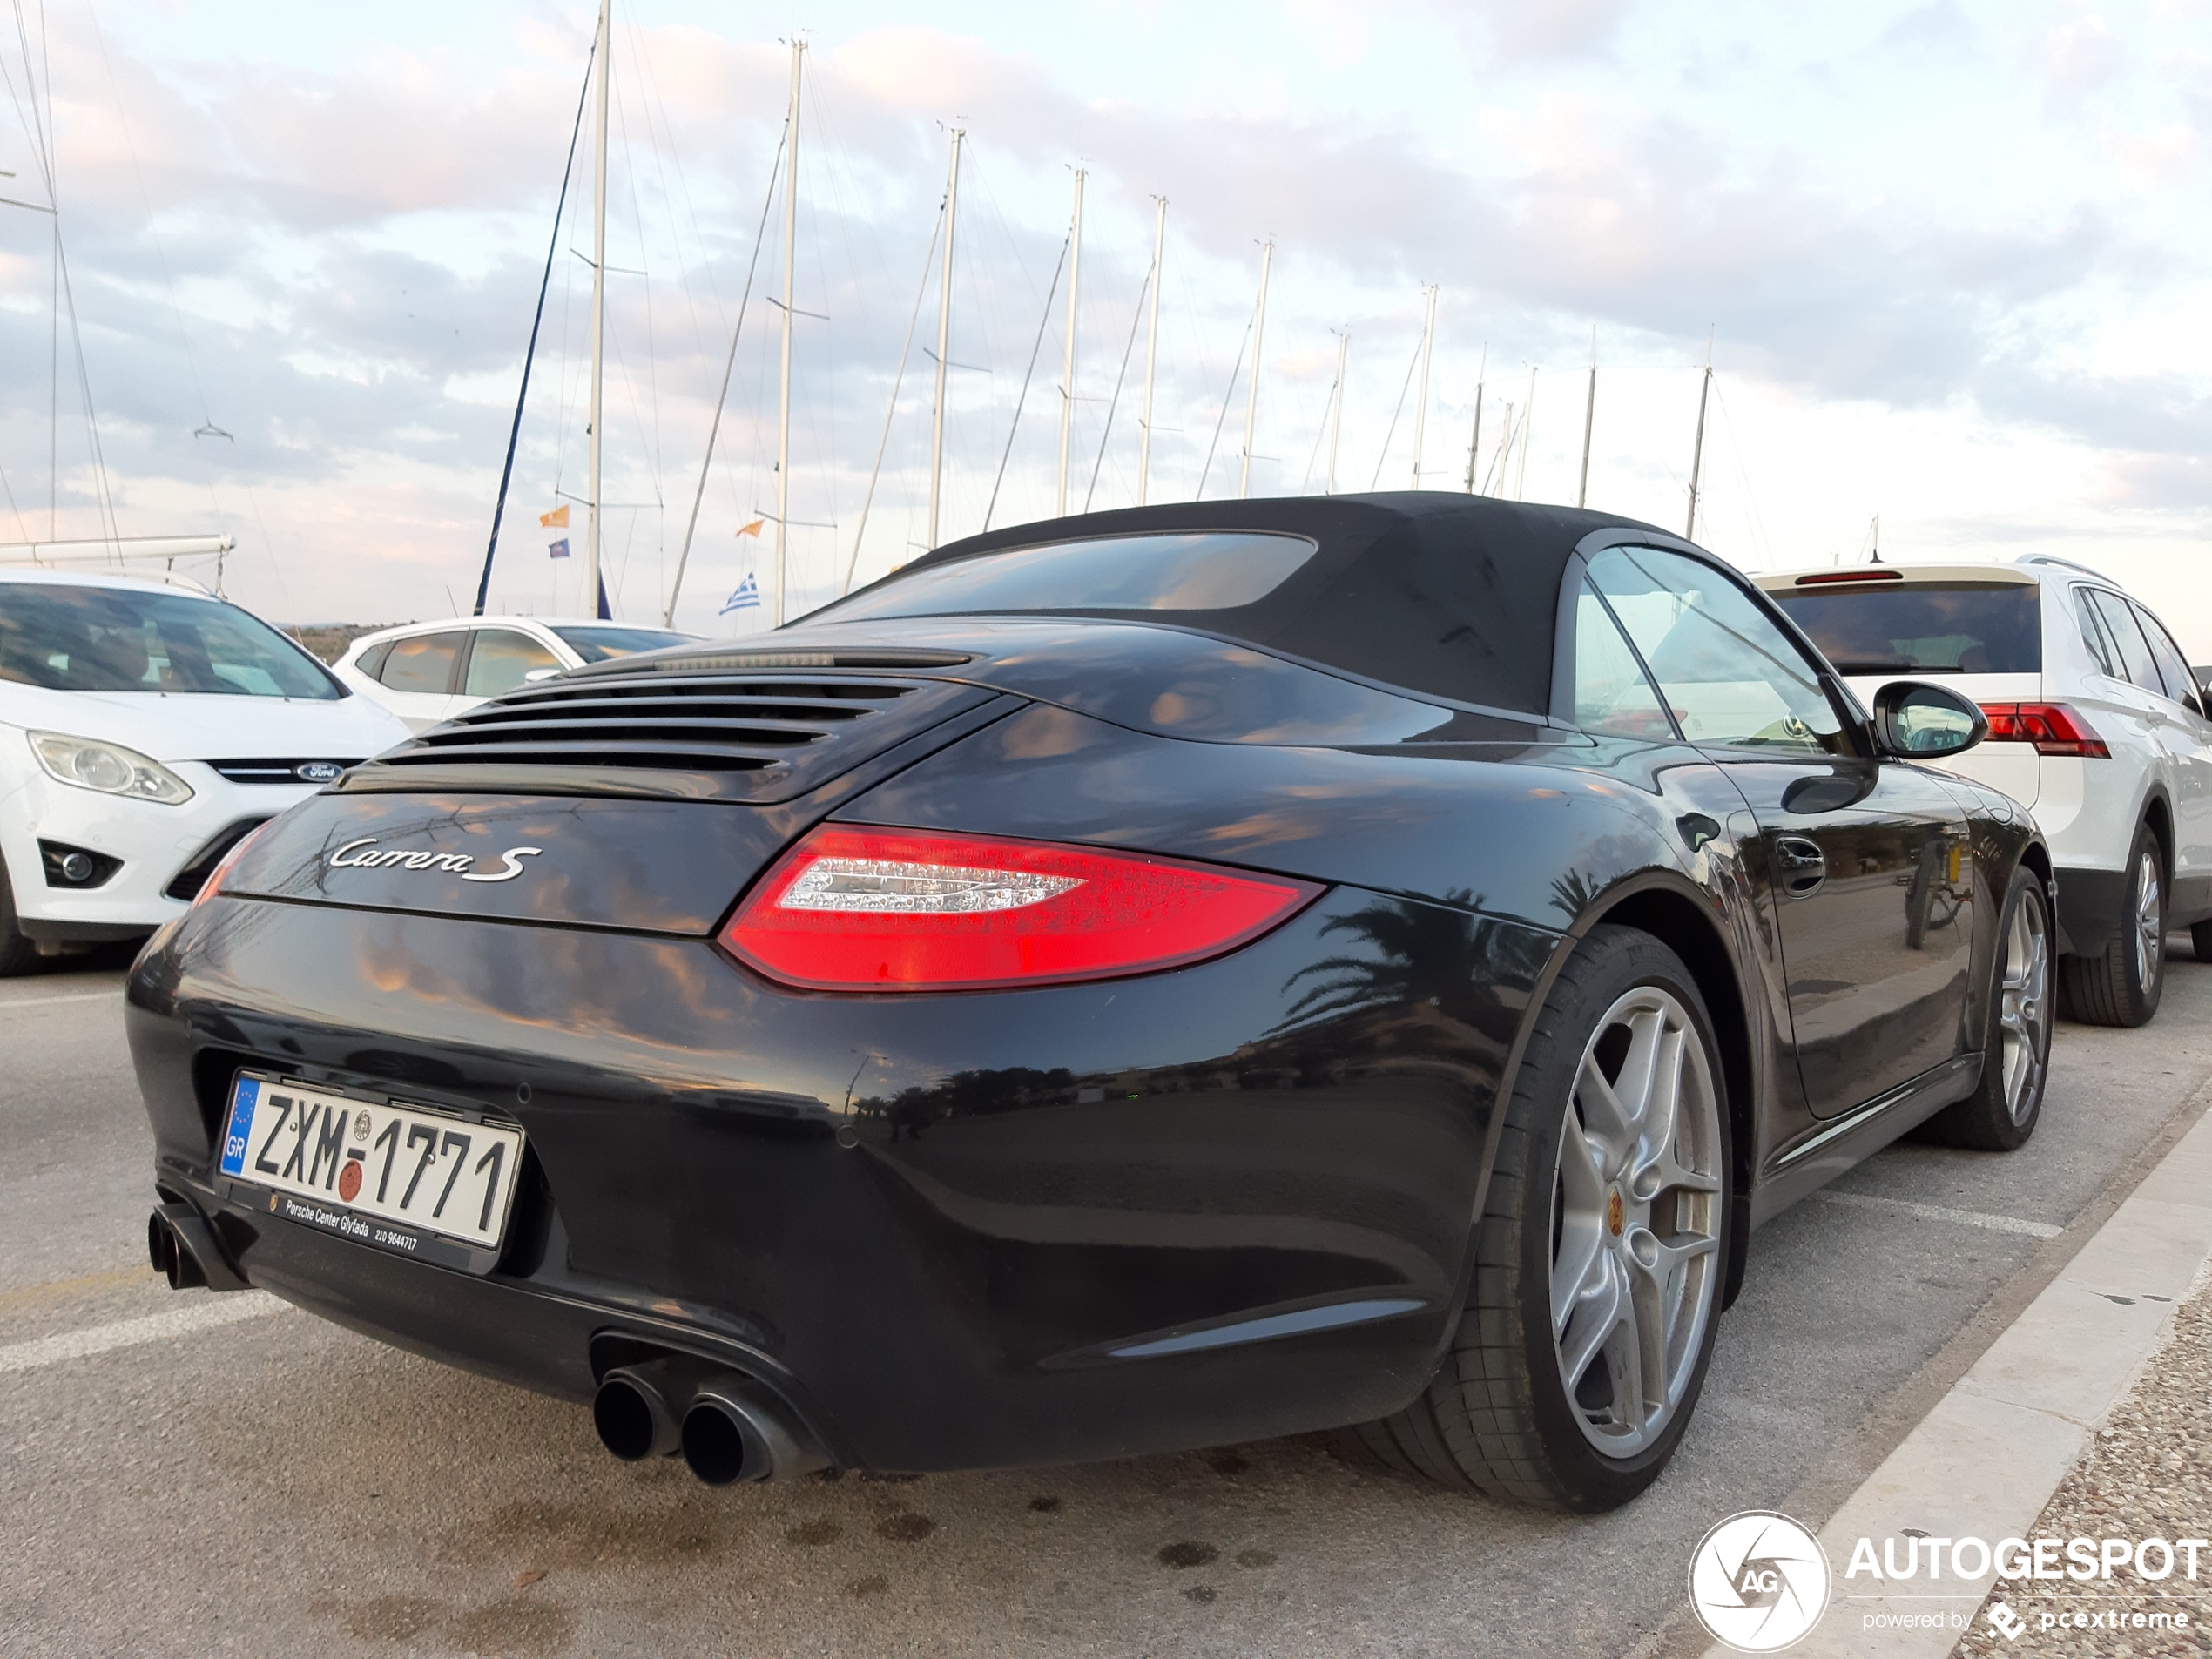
(372, 1171)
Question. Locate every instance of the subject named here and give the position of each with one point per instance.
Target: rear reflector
(2054, 728)
(851, 909)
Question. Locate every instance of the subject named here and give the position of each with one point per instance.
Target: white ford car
(429, 672)
(2096, 723)
(144, 728)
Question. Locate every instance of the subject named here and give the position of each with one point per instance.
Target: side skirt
(1828, 1149)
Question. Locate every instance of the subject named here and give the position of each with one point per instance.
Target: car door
(2186, 738)
(419, 676)
(1869, 857)
(501, 660)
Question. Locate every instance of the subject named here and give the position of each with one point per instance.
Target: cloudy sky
(1952, 261)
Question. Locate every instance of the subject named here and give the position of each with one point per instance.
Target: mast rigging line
(1136, 320)
(515, 433)
(729, 367)
(1391, 431)
(1044, 321)
(898, 381)
(1228, 393)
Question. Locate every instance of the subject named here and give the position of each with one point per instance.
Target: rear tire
(2121, 985)
(1601, 1250)
(2201, 938)
(2001, 1113)
(18, 953)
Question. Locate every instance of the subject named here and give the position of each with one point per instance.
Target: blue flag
(747, 597)
(560, 548)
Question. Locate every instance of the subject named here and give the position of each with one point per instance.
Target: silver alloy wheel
(2150, 923)
(2024, 1008)
(1635, 1221)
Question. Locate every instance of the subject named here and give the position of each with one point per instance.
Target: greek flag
(747, 597)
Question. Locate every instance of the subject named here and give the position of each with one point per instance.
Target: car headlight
(108, 767)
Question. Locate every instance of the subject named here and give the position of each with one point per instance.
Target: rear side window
(1612, 693)
(422, 663)
(1923, 627)
(2180, 686)
(2135, 650)
(502, 659)
(2093, 636)
(371, 662)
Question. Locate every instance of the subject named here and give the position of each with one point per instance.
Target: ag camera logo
(1758, 1582)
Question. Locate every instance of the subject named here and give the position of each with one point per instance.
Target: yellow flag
(555, 520)
(752, 528)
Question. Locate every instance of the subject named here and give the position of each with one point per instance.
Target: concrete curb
(1988, 1458)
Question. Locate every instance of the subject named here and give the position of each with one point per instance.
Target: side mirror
(1914, 720)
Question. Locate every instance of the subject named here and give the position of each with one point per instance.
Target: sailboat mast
(1251, 388)
(783, 405)
(1589, 421)
(591, 583)
(1336, 415)
(1068, 361)
(944, 336)
(1475, 444)
(1528, 420)
(1151, 354)
(1420, 410)
(1697, 455)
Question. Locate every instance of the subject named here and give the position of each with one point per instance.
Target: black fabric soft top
(1450, 595)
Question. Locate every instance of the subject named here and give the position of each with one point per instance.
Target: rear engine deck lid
(640, 866)
(680, 731)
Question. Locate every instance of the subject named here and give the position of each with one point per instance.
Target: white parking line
(1944, 1212)
(49, 1001)
(201, 1314)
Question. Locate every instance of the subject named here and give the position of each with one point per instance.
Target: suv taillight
(855, 908)
(2054, 729)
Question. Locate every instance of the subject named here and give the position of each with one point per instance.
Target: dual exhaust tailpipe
(728, 1428)
(182, 1247)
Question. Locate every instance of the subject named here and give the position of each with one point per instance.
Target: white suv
(429, 672)
(2096, 723)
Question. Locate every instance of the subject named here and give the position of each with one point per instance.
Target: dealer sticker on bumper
(371, 1170)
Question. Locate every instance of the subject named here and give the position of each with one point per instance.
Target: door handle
(1804, 867)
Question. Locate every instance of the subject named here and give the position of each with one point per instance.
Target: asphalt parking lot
(243, 1477)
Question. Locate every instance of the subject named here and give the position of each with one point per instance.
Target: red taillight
(2054, 729)
(1826, 577)
(851, 909)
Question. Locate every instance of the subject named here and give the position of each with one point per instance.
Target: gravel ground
(2146, 1474)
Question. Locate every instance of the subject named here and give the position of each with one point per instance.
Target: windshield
(1923, 627)
(116, 639)
(597, 645)
(1217, 570)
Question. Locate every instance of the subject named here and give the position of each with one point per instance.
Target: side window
(501, 659)
(2180, 684)
(371, 662)
(1611, 692)
(422, 663)
(2135, 654)
(1727, 672)
(2093, 636)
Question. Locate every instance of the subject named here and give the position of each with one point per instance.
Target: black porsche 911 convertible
(1119, 985)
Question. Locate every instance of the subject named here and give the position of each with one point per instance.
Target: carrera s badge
(461, 864)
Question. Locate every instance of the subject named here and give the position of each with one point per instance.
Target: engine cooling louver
(756, 737)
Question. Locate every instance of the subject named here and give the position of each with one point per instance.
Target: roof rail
(2064, 564)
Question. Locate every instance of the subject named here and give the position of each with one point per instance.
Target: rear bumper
(929, 1222)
